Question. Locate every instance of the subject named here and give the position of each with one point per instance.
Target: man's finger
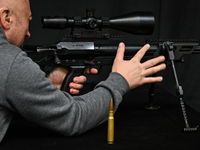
(154, 70)
(139, 55)
(75, 86)
(91, 70)
(80, 79)
(74, 91)
(153, 62)
(152, 79)
(120, 52)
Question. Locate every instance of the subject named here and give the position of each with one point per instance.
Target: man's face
(19, 29)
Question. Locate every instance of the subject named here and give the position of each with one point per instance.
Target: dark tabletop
(135, 128)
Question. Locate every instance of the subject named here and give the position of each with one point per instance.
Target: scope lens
(141, 23)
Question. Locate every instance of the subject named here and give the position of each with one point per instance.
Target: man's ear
(5, 19)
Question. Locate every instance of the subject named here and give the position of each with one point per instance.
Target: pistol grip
(72, 72)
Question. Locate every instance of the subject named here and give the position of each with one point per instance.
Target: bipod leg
(179, 91)
(180, 95)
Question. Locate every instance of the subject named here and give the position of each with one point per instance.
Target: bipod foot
(188, 129)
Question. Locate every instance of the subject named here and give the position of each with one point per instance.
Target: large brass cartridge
(110, 137)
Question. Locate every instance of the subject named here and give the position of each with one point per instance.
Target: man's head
(14, 19)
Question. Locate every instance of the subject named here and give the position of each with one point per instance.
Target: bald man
(25, 90)
(17, 31)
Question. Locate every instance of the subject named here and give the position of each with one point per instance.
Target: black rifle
(75, 52)
(79, 49)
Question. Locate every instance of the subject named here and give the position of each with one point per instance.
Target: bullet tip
(111, 105)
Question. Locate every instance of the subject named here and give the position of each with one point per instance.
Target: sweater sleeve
(32, 95)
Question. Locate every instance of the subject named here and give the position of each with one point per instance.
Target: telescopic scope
(140, 23)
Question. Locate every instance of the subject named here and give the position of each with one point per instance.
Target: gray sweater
(24, 89)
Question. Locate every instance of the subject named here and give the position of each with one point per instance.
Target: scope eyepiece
(54, 22)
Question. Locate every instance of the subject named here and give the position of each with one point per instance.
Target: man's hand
(136, 72)
(57, 76)
(77, 83)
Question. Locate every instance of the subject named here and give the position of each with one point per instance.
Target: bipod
(169, 48)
